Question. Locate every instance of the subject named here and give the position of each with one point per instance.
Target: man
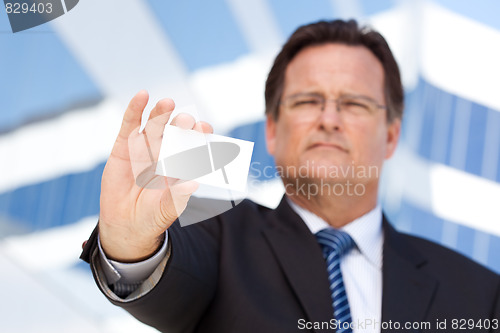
(325, 259)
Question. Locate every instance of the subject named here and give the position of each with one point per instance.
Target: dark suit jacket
(253, 269)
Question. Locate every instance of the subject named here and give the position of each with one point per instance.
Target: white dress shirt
(361, 267)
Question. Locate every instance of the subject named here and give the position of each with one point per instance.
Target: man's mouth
(327, 145)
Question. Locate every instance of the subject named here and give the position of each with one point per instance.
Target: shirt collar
(366, 230)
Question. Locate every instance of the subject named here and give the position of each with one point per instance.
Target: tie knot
(335, 240)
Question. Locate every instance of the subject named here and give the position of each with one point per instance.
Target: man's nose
(331, 117)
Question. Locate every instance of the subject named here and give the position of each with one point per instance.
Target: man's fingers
(163, 106)
(133, 114)
(159, 117)
(184, 121)
(203, 127)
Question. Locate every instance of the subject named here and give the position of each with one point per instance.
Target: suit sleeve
(187, 285)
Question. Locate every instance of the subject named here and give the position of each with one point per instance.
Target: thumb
(175, 198)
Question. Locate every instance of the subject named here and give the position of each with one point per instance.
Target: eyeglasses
(309, 106)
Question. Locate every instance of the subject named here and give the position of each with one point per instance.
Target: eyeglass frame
(372, 104)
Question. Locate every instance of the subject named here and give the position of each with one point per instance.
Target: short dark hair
(342, 32)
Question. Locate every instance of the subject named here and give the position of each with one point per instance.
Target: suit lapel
(407, 290)
(299, 255)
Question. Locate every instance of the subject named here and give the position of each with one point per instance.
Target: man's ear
(393, 132)
(270, 134)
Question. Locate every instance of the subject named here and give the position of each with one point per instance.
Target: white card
(209, 159)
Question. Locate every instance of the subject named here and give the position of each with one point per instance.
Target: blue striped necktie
(335, 244)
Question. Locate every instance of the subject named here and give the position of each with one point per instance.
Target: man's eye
(353, 104)
(306, 102)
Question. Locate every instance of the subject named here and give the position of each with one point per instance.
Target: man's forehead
(334, 56)
(335, 66)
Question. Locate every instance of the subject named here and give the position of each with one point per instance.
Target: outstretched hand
(137, 206)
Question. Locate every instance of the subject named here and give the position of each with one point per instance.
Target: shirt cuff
(130, 273)
(125, 293)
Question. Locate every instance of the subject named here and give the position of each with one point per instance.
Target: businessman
(326, 259)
